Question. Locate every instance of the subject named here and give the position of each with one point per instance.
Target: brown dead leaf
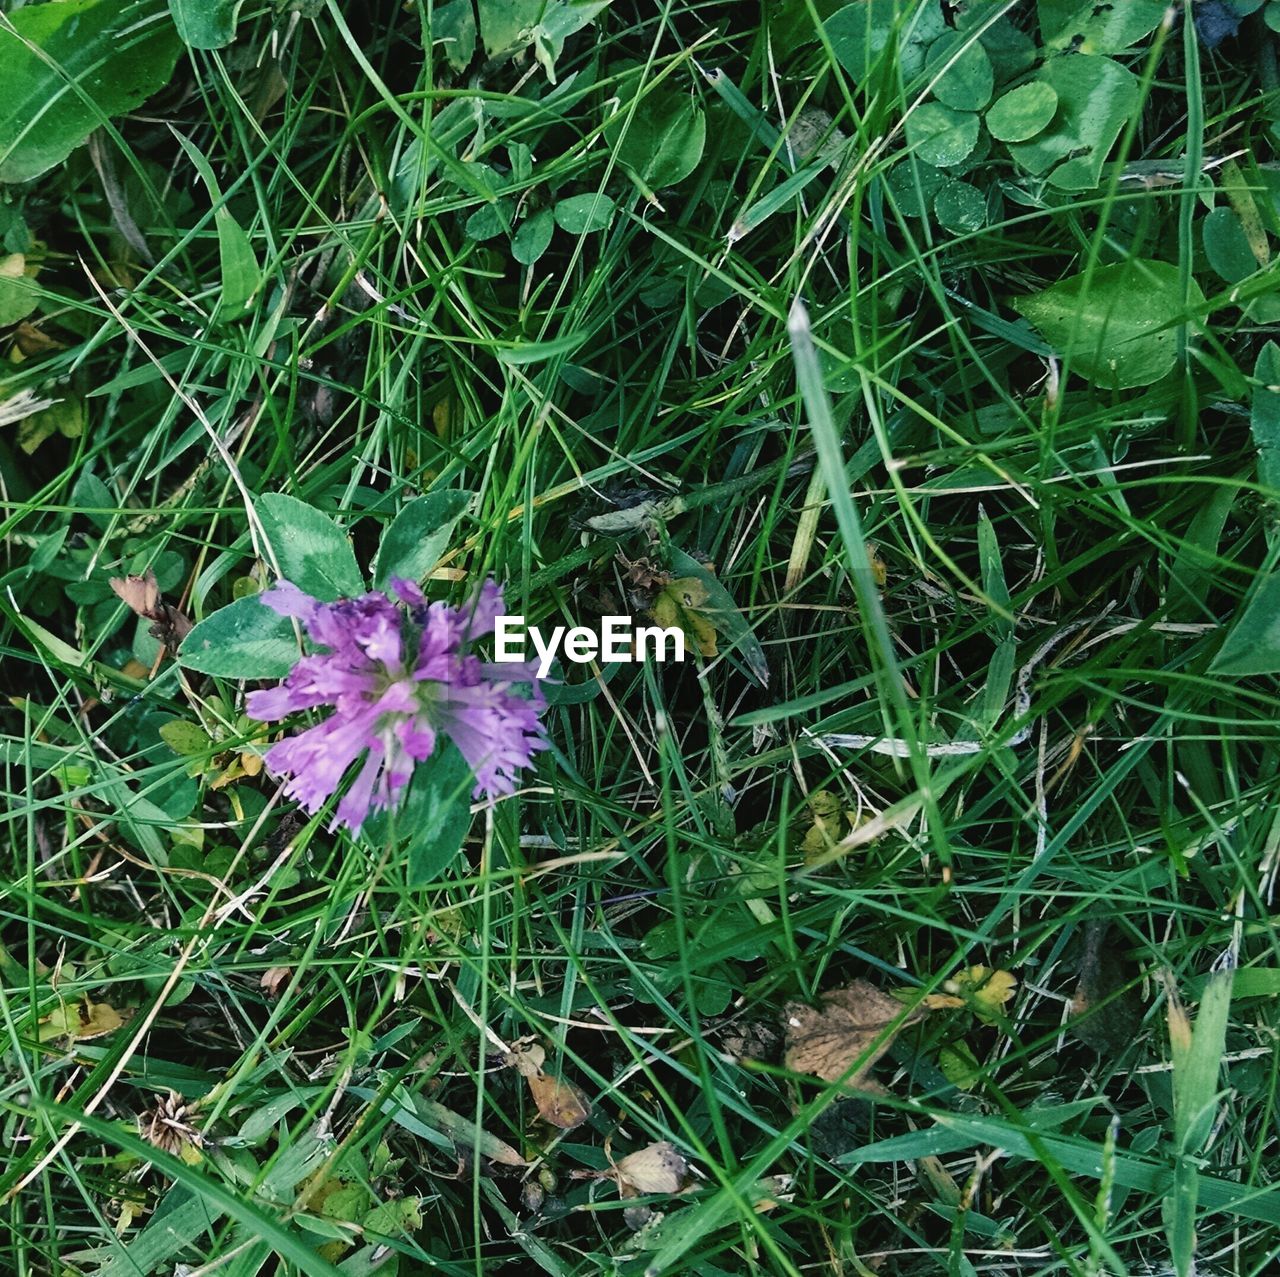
(656, 1168)
(853, 1025)
(558, 1102)
(274, 979)
(141, 595)
(1106, 1012)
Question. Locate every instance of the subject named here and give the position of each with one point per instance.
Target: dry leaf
(274, 979)
(1106, 1012)
(656, 1168)
(827, 1042)
(141, 595)
(559, 1102)
(527, 1058)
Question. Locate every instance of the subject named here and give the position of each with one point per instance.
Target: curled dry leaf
(274, 979)
(656, 1168)
(854, 1026)
(141, 595)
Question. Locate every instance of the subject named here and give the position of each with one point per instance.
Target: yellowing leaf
(959, 1066)
(656, 1168)
(63, 416)
(184, 737)
(678, 606)
(831, 821)
(80, 1021)
(852, 1027)
(984, 990)
(17, 297)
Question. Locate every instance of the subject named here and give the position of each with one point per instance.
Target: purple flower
(397, 679)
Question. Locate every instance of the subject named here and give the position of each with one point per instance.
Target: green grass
(311, 1072)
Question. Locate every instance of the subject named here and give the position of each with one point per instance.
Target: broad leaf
(18, 295)
(416, 538)
(245, 639)
(434, 816)
(1227, 246)
(718, 608)
(1096, 98)
(582, 214)
(1090, 27)
(533, 238)
(1253, 646)
(453, 25)
(961, 207)
(205, 24)
(968, 80)
(861, 32)
(1118, 329)
(1265, 416)
(941, 136)
(310, 549)
(1023, 112)
(93, 59)
(663, 141)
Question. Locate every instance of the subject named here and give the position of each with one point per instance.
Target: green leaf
(489, 221)
(941, 136)
(1253, 646)
(664, 139)
(1227, 246)
(967, 82)
(1091, 27)
(507, 25)
(560, 19)
(433, 816)
(310, 549)
(92, 59)
(240, 274)
(245, 639)
(205, 24)
(1023, 112)
(1096, 97)
(18, 296)
(1118, 330)
(185, 737)
(454, 26)
(861, 32)
(961, 207)
(533, 238)
(914, 187)
(437, 810)
(1265, 416)
(582, 214)
(415, 539)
